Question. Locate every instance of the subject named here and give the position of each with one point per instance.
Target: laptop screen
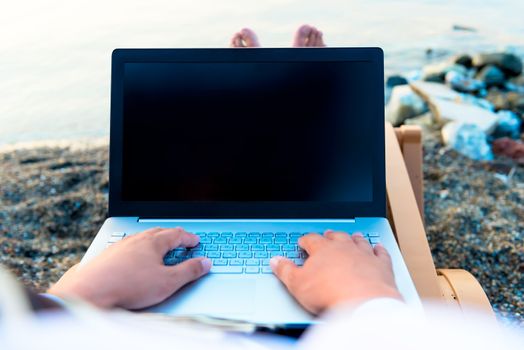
(247, 131)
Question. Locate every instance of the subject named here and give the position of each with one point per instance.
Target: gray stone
(404, 104)
(467, 139)
(448, 105)
(396, 80)
(437, 72)
(491, 75)
(463, 83)
(508, 125)
(509, 63)
(464, 60)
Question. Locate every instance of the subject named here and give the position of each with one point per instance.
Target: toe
(249, 37)
(236, 40)
(302, 35)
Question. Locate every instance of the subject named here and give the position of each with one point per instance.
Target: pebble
(509, 63)
(491, 75)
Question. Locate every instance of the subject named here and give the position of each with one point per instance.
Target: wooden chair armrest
(406, 221)
(461, 288)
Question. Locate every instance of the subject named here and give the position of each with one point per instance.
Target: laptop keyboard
(242, 252)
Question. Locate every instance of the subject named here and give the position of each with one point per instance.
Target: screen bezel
(247, 210)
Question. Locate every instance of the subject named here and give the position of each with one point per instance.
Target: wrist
(358, 298)
(85, 293)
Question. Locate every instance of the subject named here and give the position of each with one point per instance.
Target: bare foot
(245, 38)
(308, 36)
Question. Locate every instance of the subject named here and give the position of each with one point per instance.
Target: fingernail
(206, 264)
(273, 262)
(358, 234)
(328, 230)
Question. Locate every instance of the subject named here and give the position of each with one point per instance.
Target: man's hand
(131, 273)
(340, 268)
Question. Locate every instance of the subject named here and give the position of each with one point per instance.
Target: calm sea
(55, 54)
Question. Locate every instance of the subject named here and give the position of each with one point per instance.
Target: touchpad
(213, 296)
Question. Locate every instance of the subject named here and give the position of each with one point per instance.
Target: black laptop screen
(253, 131)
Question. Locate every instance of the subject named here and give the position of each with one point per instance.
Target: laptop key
(276, 253)
(252, 269)
(250, 240)
(213, 254)
(229, 255)
(245, 255)
(280, 240)
(261, 254)
(220, 262)
(266, 269)
(226, 234)
(257, 247)
(198, 254)
(374, 240)
(298, 262)
(213, 234)
(226, 247)
(273, 247)
(236, 262)
(288, 247)
(236, 240)
(211, 247)
(240, 234)
(252, 262)
(254, 234)
(226, 269)
(265, 262)
(266, 240)
(293, 255)
(242, 247)
(220, 240)
(205, 240)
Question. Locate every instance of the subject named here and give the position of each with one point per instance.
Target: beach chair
(404, 183)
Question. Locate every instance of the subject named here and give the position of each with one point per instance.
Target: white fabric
(376, 324)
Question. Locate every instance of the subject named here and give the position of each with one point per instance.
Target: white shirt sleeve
(390, 324)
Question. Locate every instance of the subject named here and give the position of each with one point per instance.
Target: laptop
(250, 149)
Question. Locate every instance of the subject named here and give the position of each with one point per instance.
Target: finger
(337, 235)
(382, 253)
(285, 270)
(152, 230)
(312, 38)
(311, 242)
(172, 238)
(189, 270)
(361, 242)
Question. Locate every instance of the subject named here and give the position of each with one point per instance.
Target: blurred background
(55, 54)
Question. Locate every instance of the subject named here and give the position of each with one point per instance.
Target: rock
(429, 90)
(467, 139)
(464, 60)
(509, 148)
(459, 27)
(445, 110)
(448, 105)
(396, 80)
(462, 83)
(508, 125)
(404, 104)
(476, 101)
(437, 72)
(491, 75)
(509, 63)
(502, 100)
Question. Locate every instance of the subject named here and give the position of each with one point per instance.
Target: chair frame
(405, 198)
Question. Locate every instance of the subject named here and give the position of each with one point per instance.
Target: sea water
(55, 54)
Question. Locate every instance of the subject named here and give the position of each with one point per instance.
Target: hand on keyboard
(340, 269)
(131, 273)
